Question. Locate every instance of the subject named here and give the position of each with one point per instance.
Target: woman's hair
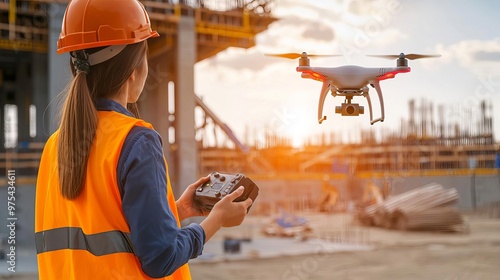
(79, 118)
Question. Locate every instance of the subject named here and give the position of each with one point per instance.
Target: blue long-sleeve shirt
(158, 242)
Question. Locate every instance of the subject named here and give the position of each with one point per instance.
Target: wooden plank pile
(426, 208)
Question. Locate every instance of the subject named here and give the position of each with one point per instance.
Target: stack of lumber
(426, 208)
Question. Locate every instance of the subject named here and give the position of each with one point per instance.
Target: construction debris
(427, 208)
(288, 225)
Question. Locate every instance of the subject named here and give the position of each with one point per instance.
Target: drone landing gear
(324, 92)
(376, 85)
(348, 108)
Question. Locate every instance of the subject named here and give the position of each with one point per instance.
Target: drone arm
(324, 92)
(376, 84)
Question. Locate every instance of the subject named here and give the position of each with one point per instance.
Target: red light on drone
(392, 74)
(310, 74)
(387, 76)
(316, 75)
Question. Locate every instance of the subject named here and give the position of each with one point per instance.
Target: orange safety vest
(88, 238)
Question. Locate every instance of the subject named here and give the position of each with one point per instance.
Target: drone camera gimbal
(349, 109)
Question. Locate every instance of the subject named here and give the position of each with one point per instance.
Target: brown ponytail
(79, 118)
(76, 134)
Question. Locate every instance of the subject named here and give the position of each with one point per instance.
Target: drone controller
(221, 185)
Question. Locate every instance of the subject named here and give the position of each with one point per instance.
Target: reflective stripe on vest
(74, 238)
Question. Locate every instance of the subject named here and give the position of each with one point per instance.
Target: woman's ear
(133, 76)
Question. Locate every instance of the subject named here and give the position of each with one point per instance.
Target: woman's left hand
(185, 203)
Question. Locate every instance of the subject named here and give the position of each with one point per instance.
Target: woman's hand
(185, 203)
(232, 213)
(226, 213)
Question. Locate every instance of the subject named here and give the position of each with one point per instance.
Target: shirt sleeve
(159, 243)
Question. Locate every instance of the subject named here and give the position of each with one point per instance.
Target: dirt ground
(395, 255)
(399, 262)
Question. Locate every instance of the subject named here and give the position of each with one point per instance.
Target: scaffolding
(422, 145)
(219, 23)
(23, 25)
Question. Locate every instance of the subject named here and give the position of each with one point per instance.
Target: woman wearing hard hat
(104, 205)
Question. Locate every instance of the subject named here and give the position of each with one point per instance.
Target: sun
(298, 132)
(298, 138)
(298, 141)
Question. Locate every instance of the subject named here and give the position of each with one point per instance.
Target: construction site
(421, 201)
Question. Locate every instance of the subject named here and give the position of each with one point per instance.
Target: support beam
(186, 148)
(12, 19)
(153, 103)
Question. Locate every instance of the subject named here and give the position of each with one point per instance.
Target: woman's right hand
(226, 213)
(232, 213)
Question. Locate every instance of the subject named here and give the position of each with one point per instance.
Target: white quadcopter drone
(351, 80)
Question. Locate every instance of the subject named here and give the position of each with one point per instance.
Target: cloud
(487, 56)
(361, 7)
(296, 9)
(346, 27)
(300, 35)
(480, 56)
(294, 32)
(318, 31)
(238, 59)
(298, 29)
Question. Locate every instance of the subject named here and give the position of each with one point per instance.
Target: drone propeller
(410, 56)
(298, 55)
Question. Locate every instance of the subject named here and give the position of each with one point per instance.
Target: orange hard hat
(98, 23)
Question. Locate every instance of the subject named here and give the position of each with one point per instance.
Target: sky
(253, 93)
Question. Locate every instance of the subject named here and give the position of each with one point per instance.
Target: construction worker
(104, 204)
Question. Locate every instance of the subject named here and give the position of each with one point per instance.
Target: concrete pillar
(153, 103)
(185, 143)
(58, 68)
